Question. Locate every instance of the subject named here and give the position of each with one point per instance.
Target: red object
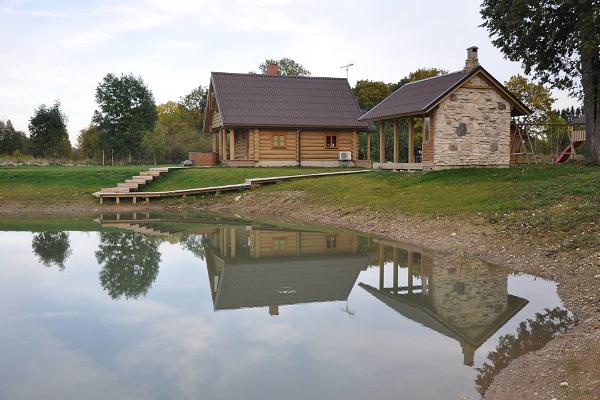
(566, 153)
(203, 159)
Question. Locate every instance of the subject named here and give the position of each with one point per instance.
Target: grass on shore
(203, 177)
(563, 201)
(560, 200)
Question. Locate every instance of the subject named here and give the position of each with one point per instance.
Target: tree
(52, 248)
(90, 142)
(532, 335)
(370, 93)
(285, 66)
(535, 95)
(126, 111)
(180, 126)
(155, 143)
(11, 140)
(195, 104)
(130, 263)
(48, 132)
(559, 42)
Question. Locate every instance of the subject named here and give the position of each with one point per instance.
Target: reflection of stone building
(464, 299)
(269, 268)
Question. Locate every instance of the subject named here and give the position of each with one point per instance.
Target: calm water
(159, 308)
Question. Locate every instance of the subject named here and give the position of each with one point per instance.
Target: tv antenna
(347, 67)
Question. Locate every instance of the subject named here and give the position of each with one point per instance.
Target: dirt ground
(567, 367)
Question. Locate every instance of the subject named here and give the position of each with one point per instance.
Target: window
(331, 242)
(278, 140)
(331, 141)
(426, 130)
(279, 245)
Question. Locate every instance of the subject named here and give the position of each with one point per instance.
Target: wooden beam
(395, 287)
(411, 139)
(354, 145)
(256, 145)
(298, 160)
(410, 271)
(214, 143)
(396, 142)
(382, 141)
(232, 144)
(381, 266)
(368, 146)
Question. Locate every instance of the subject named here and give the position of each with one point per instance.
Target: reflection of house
(269, 268)
(465, 300)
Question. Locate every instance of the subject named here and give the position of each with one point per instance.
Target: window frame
(426, 129)
(279, 146)
(325, 136)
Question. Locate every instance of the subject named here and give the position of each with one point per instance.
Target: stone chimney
(472, 59)
(272, 69)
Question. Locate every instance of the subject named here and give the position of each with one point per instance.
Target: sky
(61, 49)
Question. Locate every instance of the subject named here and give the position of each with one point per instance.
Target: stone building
(466, 119)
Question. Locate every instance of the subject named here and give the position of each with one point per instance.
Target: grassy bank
(558, 201)
(561, 201)
(203, 177)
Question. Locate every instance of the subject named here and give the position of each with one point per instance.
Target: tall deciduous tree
(48, 132)
(286, 66)
(535, 95)
(195, 104)
(369, 93)
(126, 110)
(52, 248)
(559, 42)
(11, 140)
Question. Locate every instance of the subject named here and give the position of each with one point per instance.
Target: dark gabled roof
(579, 120)
(253, 100)
(419, 97)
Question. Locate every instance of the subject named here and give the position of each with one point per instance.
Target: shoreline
(573, 358)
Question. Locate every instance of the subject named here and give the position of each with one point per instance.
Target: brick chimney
(472, 59)
(272, 69)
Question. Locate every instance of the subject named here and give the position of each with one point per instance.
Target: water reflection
(464, 299)
(52, 248)
(129, 261)
(271, 268)
(532, 335)
(398, 292)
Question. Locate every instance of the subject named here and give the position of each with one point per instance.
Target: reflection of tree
(52, 248)
(131, 263)
(531, 335)
(196, 244)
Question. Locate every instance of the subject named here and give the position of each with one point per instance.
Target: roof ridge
(433, 77)
(278, 76)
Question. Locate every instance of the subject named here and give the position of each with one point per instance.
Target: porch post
(381, 267)
(214, 143)
(368, 146)
(396, 142)
(410, 271)
(411, 140)
(232, 144)
(382, 141)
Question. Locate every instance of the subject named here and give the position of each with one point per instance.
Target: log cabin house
(466, 119)
(274, 120)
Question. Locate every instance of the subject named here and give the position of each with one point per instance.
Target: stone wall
(468, 294)
(472, 127)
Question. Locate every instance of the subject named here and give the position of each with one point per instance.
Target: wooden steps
(135, 182)
(123, 192)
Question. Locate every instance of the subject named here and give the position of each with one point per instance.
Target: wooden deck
(114, 193)
(403, 166)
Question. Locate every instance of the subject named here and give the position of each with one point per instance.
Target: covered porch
(235, 147)
(414, 157)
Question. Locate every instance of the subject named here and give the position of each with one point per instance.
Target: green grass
(561, 200)
(32, 186)
(203, 177)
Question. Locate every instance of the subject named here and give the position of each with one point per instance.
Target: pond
(140, 306)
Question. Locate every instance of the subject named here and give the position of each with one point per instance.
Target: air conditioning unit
(345, 156)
